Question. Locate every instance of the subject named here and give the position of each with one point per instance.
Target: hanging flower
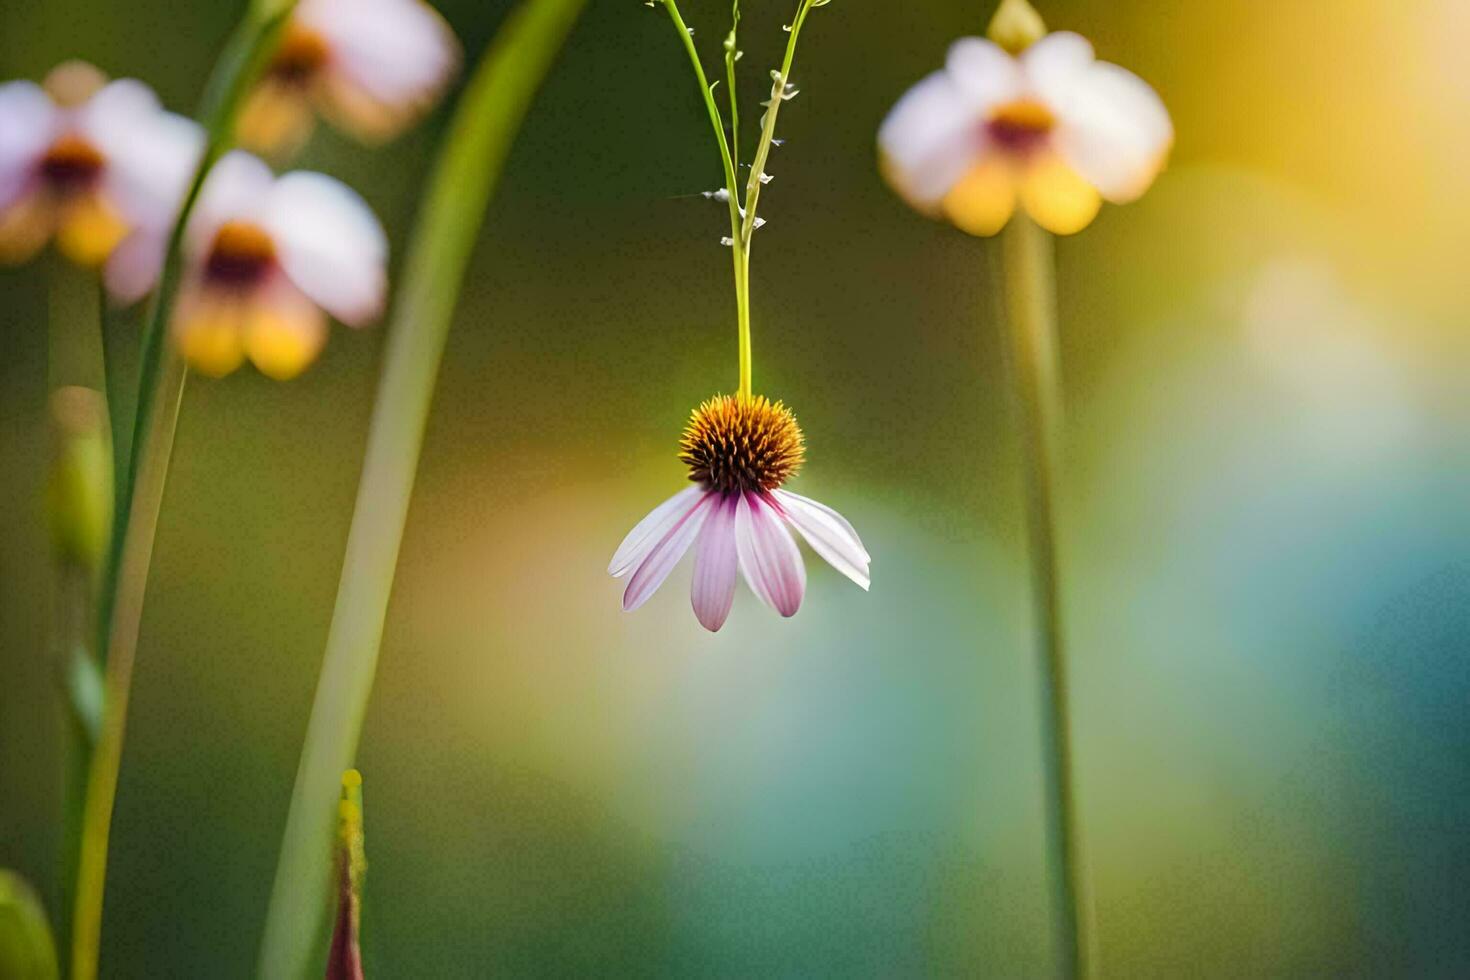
(266, 259)
(739, 451)
(1050, 129)
(372, 67)
(87, 161)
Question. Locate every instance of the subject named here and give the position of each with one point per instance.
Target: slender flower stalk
(124, 581)
(1030, 294)
(1027, 133)
(142, 520)
(79, 504)
(464, 178)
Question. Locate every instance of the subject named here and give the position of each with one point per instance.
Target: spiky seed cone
(733, 443)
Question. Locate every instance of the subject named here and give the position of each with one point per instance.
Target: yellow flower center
(240, 256)
(737, 443)
(1021, 126)
(301, 55)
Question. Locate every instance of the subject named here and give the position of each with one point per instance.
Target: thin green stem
(727, 160)
(73, 663)
(124, 580)
(1031, 304)
(753, 183)
(147, 498)
(732, 55)
(465, 176)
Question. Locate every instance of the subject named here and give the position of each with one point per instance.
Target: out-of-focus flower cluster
(103, 170)
(1042, 126)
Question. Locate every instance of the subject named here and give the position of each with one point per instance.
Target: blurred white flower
(1052, 129)
(88, 162)
(371, 67)
(265, 260)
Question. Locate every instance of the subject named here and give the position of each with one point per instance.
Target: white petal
(1055, 64)
(715, 564)
(112, 115)
(237, 188)
(1115, 131)
(768, 557)
(666, 554)
(649, 531)
(149, 170)
(829, 535)
(929, 140)
(983, 73)
(397, 54)
(28, 123)
(330, 244)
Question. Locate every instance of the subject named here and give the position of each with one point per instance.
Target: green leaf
(27, 950)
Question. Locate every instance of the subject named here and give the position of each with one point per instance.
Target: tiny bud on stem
(1016, 26)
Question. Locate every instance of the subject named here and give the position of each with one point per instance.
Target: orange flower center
(736, 443)
(1020, 127)
(301, 55)
(240, 255)
(72, 163)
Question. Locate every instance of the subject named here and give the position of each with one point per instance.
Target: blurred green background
(1267, 554)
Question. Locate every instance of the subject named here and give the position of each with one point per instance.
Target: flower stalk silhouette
(468, 169)
(1025, 134)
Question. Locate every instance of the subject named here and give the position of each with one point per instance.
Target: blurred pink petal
(27, 126)
(389, 60)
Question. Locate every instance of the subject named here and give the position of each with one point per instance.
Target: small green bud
(27, 949)
(1016, 26)
(79, 491)
(344, 958)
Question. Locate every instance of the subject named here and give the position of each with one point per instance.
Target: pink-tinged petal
(646, 535)
(983, 74)
(831, 514)
(929, 140)
(330, 245)
(715, 566)
(1114, 131)
(236, 189)
(768, 557)
(133, 268)
(829, 535)
(28, 124)
(666, 554)
(390, 60)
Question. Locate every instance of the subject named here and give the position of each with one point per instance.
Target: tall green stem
(160, 389)
(465, 176)
(147, 499)
(1031, 304)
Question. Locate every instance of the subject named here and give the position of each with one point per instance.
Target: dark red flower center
(240, 255)
(1021, 127)
(72, 163)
